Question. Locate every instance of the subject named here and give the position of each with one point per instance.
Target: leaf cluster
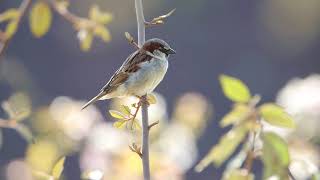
(245, 119)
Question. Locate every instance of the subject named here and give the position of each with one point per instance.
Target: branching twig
(7, 123)
(131, 40)
(22, 10)
(153, 124)
(75, 20)
(159, 20)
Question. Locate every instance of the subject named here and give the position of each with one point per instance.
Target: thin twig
(22, 10)
(75, 20)
(153, 124)
(7, 123)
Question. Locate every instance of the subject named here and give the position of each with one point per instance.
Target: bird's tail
(95, 99)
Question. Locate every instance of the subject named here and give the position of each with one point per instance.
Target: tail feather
(93, 100)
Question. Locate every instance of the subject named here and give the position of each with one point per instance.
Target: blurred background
(272, 45)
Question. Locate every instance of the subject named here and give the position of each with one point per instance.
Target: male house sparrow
(140, 73)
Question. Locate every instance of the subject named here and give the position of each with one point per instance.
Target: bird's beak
(171, 51)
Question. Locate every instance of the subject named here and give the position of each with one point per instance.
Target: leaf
(117, 114)
(275, 115)
(238, 114)
(239, 174)
(125, 109)
(25, 132)
(103, 33)
(226, 146)
(275, 155)
(152, 99)
(11, 28)
(85, 39)
(18, 106)
(10, 14)
(40, 19)
(234, 89)
(316, 176)
(133, 125)
(119, 124)
(98, 16)
(58, 168)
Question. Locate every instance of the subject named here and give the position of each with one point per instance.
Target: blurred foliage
(40, 20)
(246, 119)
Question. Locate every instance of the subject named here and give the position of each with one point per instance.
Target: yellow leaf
(103, 33)
(275, 155)
(98, 16)
(234, 89)
(86, 39)
(18, 106)
(58, 168)
(152, 99)
(239, 174)
(275, 115)
(9, 14)
(11, 28)
(25, 132)
(117, 114)
(133, 125)
(119, 124)
(40, 19)
(125, 109)
(222, 151)
(239, 113)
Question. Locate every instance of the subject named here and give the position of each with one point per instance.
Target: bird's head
(158, 45)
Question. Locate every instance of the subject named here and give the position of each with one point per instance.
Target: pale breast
(146, 79)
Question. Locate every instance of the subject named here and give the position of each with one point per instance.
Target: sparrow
(140, 73)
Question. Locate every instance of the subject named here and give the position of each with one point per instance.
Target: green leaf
(103, 33)
(85, 38)
(133, 125)
(58, 168)
(316, 176)
(239, 174)
(25, 132)
(119, 124)
(275, 115)
(117, 114)
(18, 106)
(40, 19)
(11, 28)
(226, 146)
(275, 155)
(152, 99)
(234, 89)
(98, 16)
(126, 110)
(238, 114)
(9, 14)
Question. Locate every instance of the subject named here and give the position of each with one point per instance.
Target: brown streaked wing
(130, 65)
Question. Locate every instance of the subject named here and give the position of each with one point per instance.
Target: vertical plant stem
(140, 22)
(145, 121)
(145, 139)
